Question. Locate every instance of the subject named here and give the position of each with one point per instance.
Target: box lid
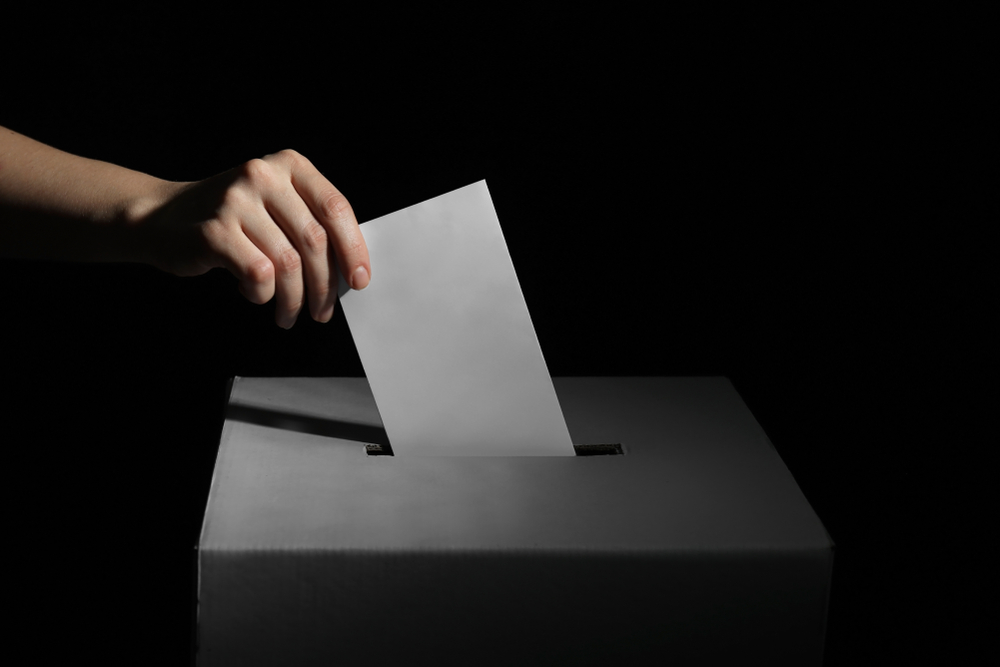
(698, 474)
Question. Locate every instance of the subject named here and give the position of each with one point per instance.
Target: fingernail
(360, 278)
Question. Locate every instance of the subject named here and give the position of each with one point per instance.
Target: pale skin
(275, 223)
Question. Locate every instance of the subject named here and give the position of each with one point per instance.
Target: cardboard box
(694, 546)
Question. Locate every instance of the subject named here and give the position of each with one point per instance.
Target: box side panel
(316, 608)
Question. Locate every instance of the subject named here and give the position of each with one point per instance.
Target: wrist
(134, 216)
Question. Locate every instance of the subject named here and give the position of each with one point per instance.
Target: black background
(792, 201)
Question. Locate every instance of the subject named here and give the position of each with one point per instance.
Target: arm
(275, 223)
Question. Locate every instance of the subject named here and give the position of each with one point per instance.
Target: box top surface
(699, 474)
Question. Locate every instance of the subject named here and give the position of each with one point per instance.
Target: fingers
(283, 230)
(335, 214)
(312, 245)
(267, 266)
(286, 266)
(241, 257)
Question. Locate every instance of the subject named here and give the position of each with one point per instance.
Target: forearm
(275, 222)
(54, 205)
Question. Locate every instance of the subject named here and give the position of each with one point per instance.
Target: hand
(270, 222)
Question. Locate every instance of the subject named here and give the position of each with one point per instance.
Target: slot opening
(601, 449)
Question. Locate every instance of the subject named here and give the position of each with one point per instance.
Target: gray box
(694, 547)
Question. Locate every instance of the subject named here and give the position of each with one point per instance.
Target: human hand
(272, 223)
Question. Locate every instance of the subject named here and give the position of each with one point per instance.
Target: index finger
(334, 212)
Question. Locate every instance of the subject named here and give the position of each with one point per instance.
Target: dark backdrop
(773, 198)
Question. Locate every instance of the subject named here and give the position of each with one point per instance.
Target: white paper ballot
(445, 337)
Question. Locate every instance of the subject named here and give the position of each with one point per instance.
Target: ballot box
(675, 536)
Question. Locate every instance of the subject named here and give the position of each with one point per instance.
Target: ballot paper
(445, 337)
